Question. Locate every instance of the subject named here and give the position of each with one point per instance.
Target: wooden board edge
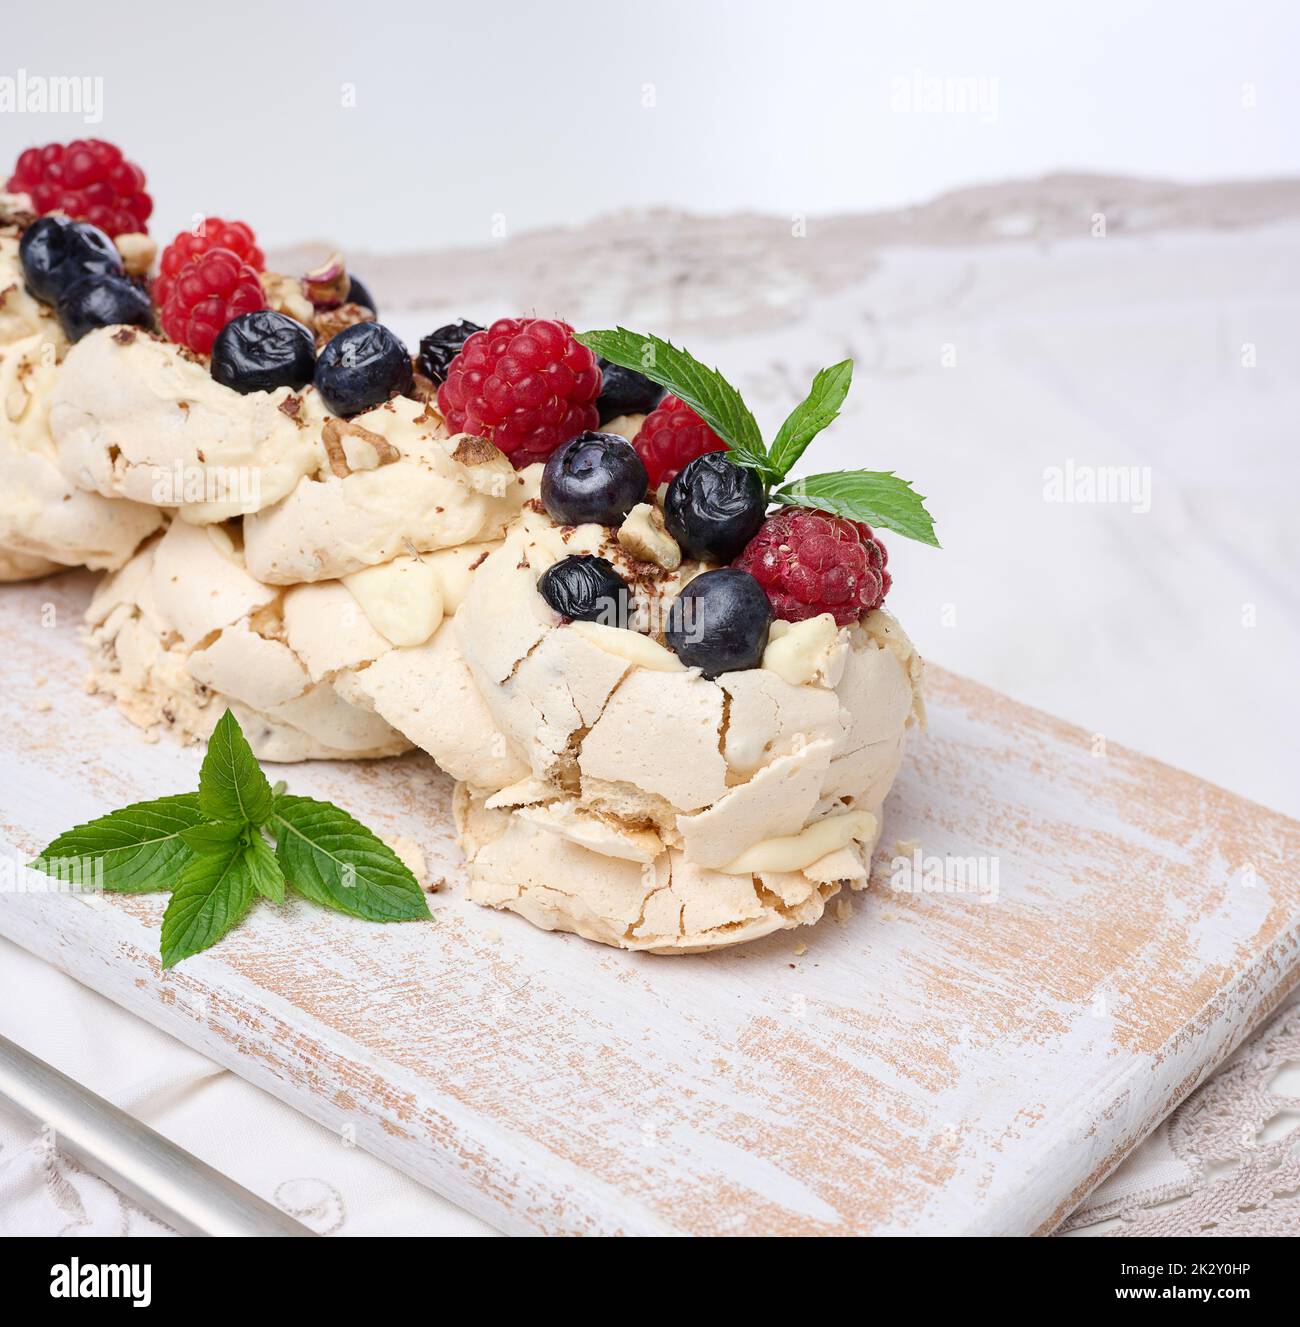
(506, 1181)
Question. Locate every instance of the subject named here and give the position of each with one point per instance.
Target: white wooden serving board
(930, 1063)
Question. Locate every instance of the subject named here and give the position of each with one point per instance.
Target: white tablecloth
(279, 1154)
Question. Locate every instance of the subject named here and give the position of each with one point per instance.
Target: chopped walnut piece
(332, 437)
(644, 535)
(327, 286)
(330, 322)
(138, 252)
(351, 447)
(284, 295)
(15, 212)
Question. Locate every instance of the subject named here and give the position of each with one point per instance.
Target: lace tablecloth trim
(1238, 1136)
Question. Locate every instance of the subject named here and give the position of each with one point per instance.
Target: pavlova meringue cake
(659, 671)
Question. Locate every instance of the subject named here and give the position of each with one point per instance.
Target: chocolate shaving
(424, 390)
(330, 322)
(474, 451)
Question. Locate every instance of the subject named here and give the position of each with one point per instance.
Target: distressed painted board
(932, 1062)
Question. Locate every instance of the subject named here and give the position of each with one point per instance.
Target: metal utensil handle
(176, 1187)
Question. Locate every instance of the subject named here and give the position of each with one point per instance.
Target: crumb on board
(411, 854)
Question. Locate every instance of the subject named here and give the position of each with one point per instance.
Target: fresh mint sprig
(877, 497)
(129, 850)
(211, 850)
(818, 409)
(704, 389)
(211, 897)
(232, 786)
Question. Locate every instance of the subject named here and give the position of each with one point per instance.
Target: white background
(536, 114)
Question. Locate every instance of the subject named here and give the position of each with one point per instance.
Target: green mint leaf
(131, 851)
(876, 497)
(211, 897)
(264, 868)
(810, 416)
(231, 783)
(335, 861)
(704, 389)
(214, 835)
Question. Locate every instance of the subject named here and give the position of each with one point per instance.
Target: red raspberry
(210, 291)
(526, 384)
(89, 180)
(672, 435)
(810, 562)
(211, 233)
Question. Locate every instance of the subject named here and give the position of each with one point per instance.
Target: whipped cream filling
(804, 652)
(402, 599)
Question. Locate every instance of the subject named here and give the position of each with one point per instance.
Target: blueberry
(587, 589)
(358, 294)
(719, 622)
(593, 479)
(625, 392)
(439, 348)
(362, 367)
(56, 253)
(258, 352)
(714, 508)
(103, 301)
